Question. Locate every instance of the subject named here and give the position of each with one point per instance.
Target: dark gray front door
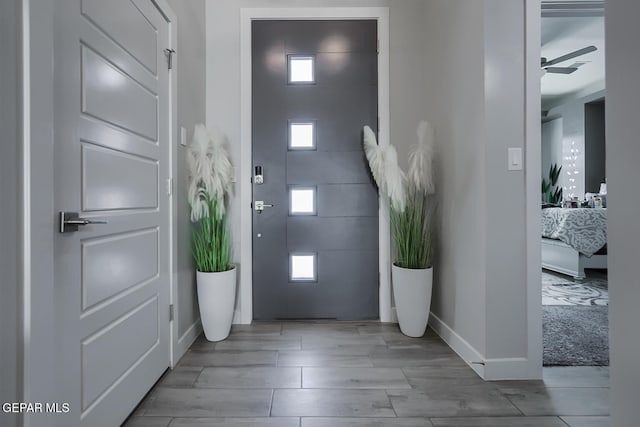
(315, 251)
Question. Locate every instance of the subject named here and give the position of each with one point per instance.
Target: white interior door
(112, 150)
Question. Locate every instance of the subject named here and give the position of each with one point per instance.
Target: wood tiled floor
(358, 375)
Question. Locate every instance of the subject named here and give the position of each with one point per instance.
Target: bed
(574, 239)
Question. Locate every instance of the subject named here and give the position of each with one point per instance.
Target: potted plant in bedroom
(551, 191)
(210, 181)
(410, 214)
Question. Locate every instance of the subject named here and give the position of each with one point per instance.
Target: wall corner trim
(509, 368)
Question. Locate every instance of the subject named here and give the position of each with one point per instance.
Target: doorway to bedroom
(574, 217)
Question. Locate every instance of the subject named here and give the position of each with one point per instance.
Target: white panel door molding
(112, 157)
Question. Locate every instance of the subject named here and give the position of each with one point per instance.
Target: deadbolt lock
(258, 176)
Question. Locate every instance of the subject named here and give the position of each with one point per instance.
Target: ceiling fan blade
(560, 70)
(571, 55)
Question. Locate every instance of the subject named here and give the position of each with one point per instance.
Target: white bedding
(584, 229)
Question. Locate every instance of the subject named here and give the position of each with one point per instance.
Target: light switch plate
(514, 159)
(183, 136)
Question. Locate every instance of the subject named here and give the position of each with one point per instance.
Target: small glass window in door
(302, 135)
(301, 69)
(303, 267)
(302, 200)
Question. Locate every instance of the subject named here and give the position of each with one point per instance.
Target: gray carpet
(575, 335)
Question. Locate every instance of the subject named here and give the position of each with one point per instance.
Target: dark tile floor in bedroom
(356, 375)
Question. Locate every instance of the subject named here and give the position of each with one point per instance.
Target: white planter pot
(216, 298)
(412, 294)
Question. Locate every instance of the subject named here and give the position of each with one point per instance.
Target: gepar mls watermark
(35, 407)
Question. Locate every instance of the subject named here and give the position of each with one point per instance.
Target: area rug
(575, 294)
(575, 335)
(558, 289)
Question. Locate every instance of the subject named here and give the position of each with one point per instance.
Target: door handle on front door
(69, 221)
(259, 205)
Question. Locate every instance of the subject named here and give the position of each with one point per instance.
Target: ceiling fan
(548, 65)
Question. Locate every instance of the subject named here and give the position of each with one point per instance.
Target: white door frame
(533, 159)
(177, 347)
(37, 380)
(244, 313)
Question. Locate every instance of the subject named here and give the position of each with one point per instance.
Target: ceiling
(564, 34)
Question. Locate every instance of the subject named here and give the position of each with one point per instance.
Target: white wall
(623, 155)
(551, 145)
(505, 190)
(573, 128)
(407, 93)
(191, 56)
(476, 99)
(454, 57)
(10, 209)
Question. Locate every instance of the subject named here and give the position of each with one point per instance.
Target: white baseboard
(515, 368)
(458, 344)
(185, 341)
(237, 318)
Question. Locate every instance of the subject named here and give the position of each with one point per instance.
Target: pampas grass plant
(411, 209)
(210, 182)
